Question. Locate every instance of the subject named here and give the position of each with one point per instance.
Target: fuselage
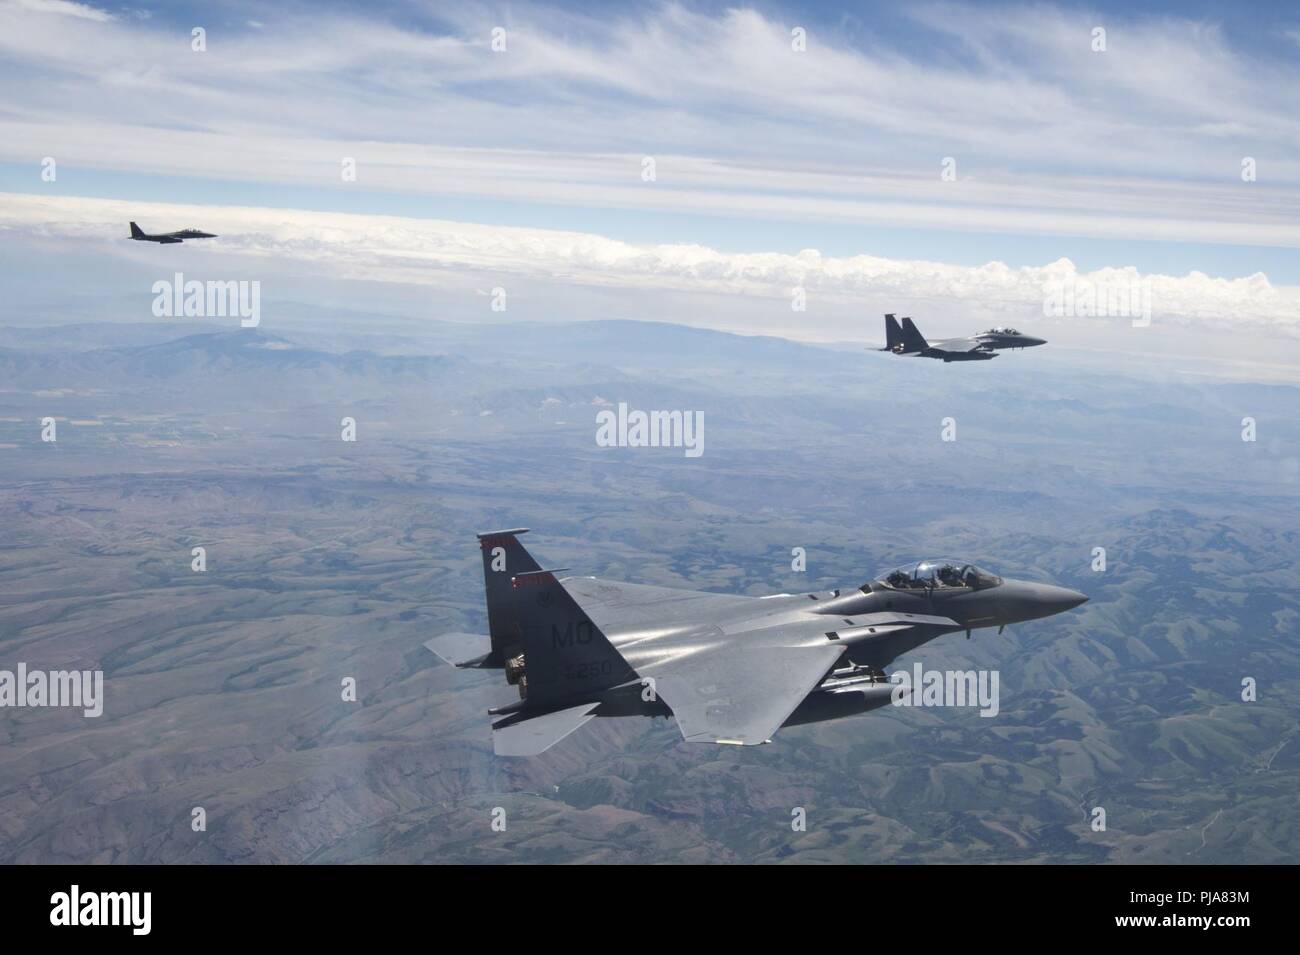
(935, 597)
(938, 350)
(1007, 338)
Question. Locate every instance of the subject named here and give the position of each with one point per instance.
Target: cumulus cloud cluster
(433, 252)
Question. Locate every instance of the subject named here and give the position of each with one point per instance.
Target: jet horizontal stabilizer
(463, 650)
(523, 735)
(513, 532)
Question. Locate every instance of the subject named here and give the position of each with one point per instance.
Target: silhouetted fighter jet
(169, 237)
(907, 340)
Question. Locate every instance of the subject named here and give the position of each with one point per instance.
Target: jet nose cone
(1060, 599)
(1035, 341)
(1025, 600)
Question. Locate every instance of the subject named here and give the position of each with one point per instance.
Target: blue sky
(1127, 158)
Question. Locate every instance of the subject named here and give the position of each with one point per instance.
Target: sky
(681, 162)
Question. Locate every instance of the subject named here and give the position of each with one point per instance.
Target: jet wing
(742, 685)
(958, 345)
(616, 606)
(740, 689)
(724, 680)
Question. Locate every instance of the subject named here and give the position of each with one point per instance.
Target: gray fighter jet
(169, 238)
(730, 669)
(907, 340)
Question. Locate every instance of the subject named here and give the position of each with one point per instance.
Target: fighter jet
(729, 669)
(168, 238)
(907, 340)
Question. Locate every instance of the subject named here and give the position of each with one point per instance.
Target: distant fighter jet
(730, 669)
(168, 238)
(907, 340)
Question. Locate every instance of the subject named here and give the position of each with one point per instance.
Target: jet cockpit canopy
(940, 573)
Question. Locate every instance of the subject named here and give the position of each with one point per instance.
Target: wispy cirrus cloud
(1143, 141)
(67, 8)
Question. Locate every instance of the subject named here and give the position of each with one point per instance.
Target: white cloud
(1231, 212)
(67, 8)
(1144, 141)
(438, 253)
